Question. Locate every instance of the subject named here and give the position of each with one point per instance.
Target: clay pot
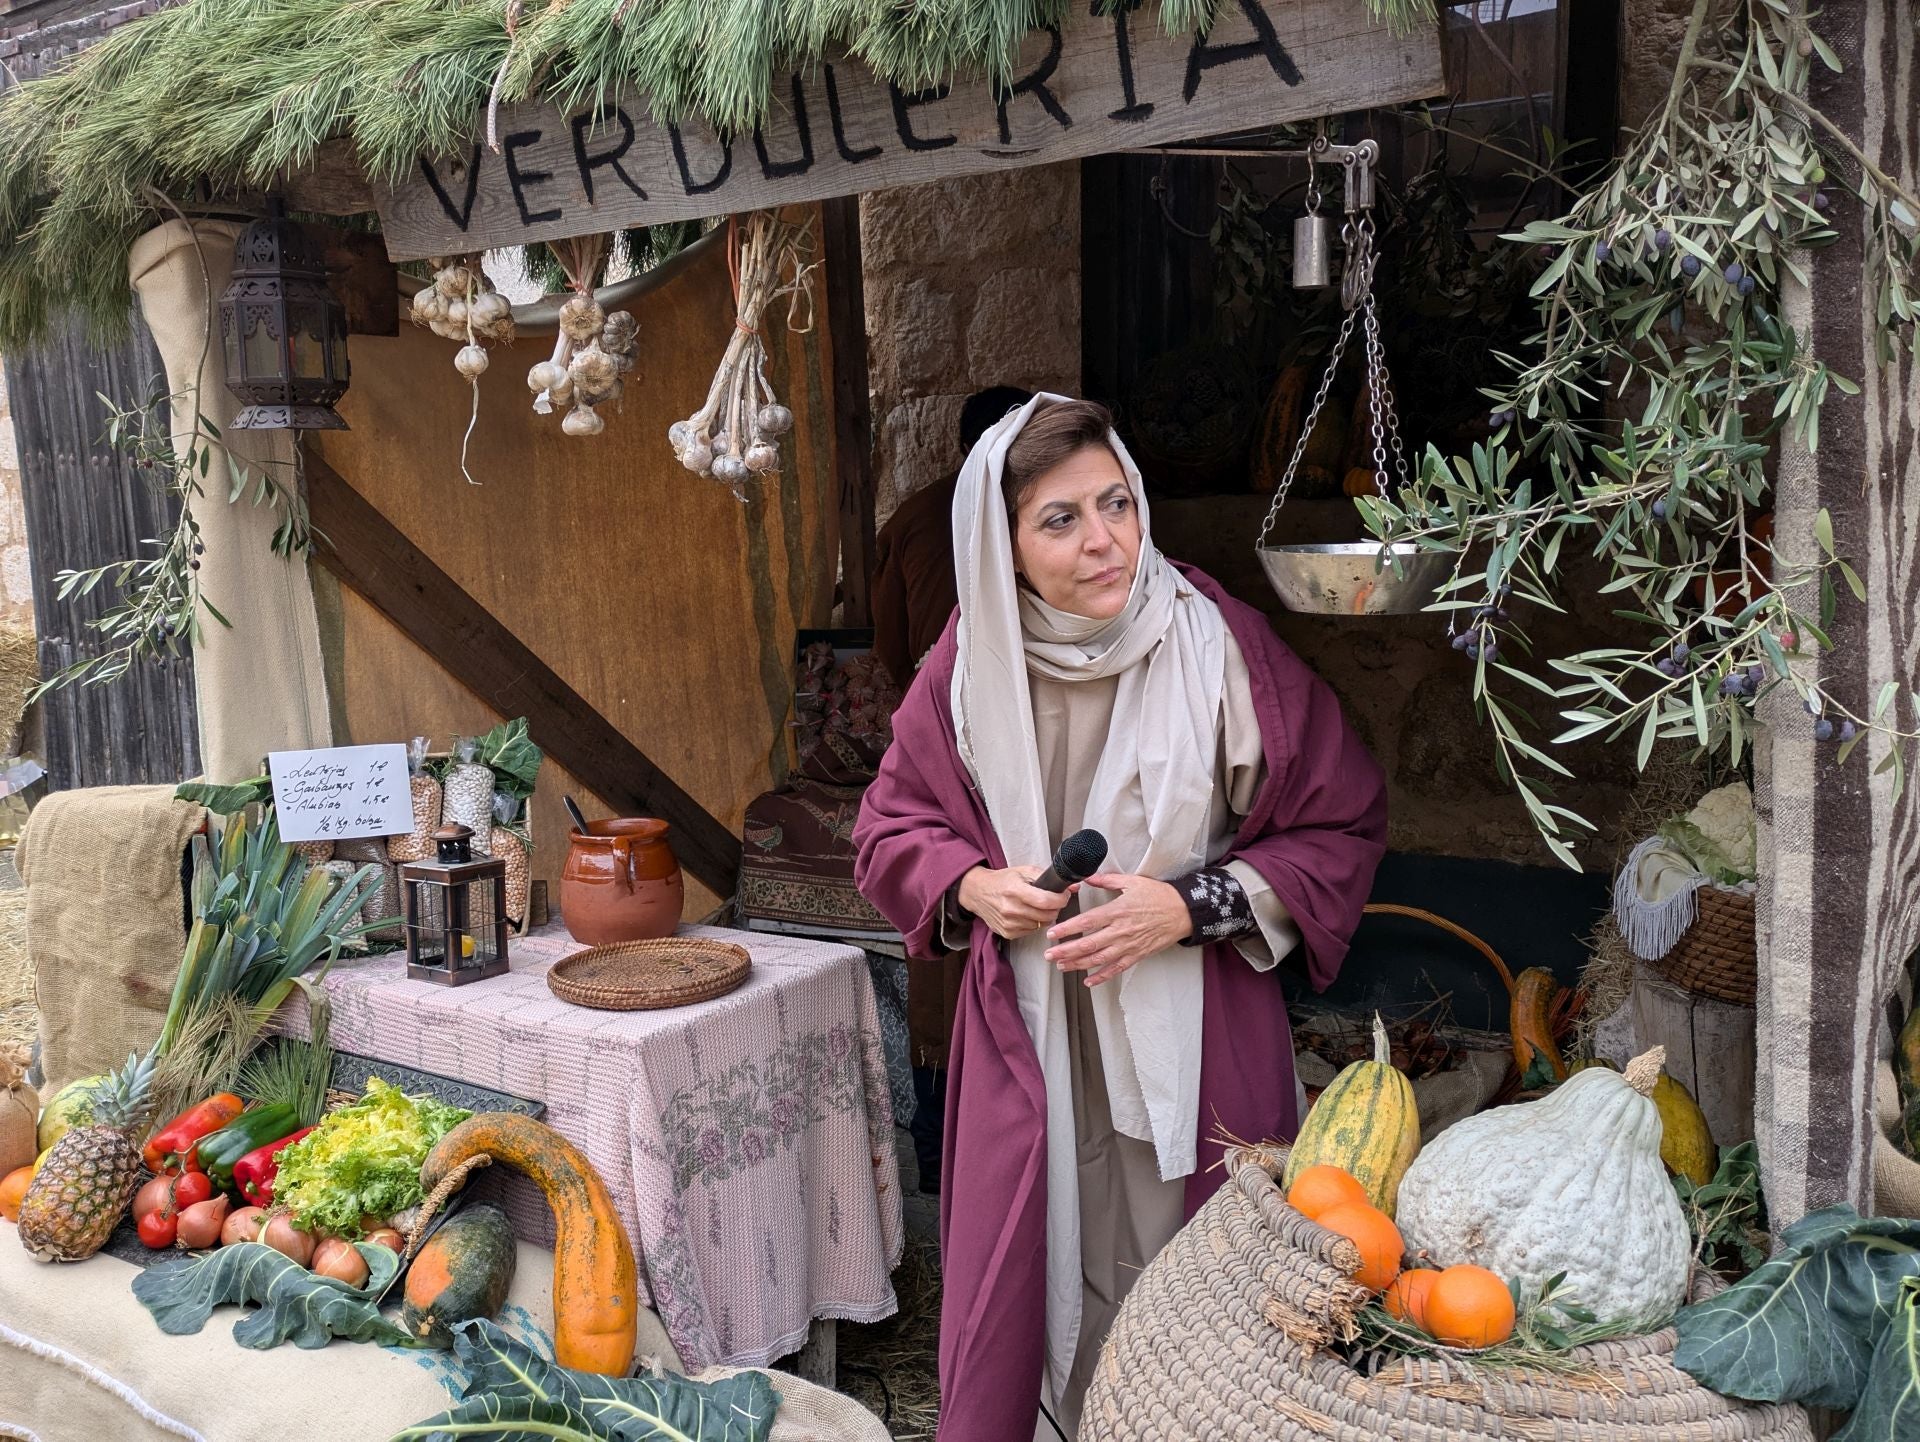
(621, 882)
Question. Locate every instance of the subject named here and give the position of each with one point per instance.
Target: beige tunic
(1127, 1213)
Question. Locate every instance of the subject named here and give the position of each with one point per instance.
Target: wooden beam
(331, 184)
(852, 414)
(371, 555)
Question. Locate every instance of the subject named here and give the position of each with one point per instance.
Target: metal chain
(1306, 428)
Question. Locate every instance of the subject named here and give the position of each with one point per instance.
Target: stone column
(258, 684)
(970, 283)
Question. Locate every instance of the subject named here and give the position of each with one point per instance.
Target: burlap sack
(810, 1412)
(1896, 1176)
(106, 919)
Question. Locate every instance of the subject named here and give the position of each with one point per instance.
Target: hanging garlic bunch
(591, 357)
(734, 435)
(461, 304)
(593, 352)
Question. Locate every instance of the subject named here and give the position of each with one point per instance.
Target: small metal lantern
(283, 332)
(456, 912)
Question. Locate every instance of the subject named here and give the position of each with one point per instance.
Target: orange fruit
(1469, 1307)
(1406, 1299)
(1321, 1187)
(1373, 1231)
(12, 1188)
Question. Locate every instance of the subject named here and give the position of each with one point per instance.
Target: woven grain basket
(645, 975)
(1223, 1338)
(1715, 956)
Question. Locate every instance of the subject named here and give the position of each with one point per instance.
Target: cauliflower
(1717, 836)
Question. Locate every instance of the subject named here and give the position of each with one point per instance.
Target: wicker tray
(1715, 956)
(647, 975)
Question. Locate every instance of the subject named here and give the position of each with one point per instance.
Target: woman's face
(1076, 537)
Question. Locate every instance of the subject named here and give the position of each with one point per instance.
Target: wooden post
(1709, 1050)
(852, 414)
(1839, 908)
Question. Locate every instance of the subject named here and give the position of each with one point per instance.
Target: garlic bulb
(723, 444)
(582, 421)
(453, 281)
(774, 420)
(457, 314)
(679, 436)
(544, 376)
(730, 468)
(762, 456)
(592, 368)
(490, 309)
(423, 300)
(471, 361)
(581, 318)
(698, 457)
(620, 332)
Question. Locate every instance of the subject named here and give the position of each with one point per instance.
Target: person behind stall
(1107, 1036)
(913, 598)
(913, 587)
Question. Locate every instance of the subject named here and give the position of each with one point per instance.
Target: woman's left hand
(1144, 916)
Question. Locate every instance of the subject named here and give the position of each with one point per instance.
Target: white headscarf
(1152, 793)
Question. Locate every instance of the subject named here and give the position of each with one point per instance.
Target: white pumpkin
(1571, 1183)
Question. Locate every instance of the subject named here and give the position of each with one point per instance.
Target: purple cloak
(1317, 831)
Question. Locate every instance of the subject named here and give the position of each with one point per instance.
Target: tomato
(158, 1229)
(191, 1188)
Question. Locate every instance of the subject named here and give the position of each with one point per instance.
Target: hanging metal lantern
(455, 910)
(283, 332)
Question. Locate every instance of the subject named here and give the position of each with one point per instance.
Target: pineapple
(77, 1196)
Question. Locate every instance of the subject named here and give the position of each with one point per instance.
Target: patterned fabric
(1217, 903)
(747, 1142)
(797, 864)
(842, 716)
(889, 974)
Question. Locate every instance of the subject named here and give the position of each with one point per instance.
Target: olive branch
(1659, 291)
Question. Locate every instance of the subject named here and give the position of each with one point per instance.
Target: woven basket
(646, 975)
(1715, 956)
(1222, 1338)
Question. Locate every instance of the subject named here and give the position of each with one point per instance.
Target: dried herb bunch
(1661, 285)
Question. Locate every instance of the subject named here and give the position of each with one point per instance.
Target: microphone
(1078, 858)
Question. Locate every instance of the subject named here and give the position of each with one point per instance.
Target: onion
(287, 1239)
(242, 1225)
(387, 1237)
(152, 1197)
(341, 1261)
(201, 1224)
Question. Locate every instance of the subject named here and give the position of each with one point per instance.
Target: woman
(1105, 1033)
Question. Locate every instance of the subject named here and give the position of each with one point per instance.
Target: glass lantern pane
(426, 909)
(260, 350)
(307, 322)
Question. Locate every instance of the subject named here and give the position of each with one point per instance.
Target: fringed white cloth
(1653, 898)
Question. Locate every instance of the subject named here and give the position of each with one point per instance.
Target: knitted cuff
(1217, 903)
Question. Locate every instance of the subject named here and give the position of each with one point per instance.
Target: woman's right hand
(1008, 901)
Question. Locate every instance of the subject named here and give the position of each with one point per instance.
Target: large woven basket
(1715, 956)
(1224, 1339)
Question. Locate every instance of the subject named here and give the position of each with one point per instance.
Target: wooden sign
(340, 792)
(1101, 83)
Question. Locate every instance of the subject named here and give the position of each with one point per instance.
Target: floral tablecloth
(747, 1141)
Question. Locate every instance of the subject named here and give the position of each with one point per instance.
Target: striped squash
(1366, 1123)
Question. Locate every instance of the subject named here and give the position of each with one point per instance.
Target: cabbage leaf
(513, 1394)
(296, 1305)
(1829, 1321)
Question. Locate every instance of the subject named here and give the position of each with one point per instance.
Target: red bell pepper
(253, 1174)
(175, 1141)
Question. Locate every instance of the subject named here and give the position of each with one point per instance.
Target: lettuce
(363, 1159)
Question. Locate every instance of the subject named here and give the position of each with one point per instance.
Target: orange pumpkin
(1321, 1187)
(1406, 1299)
(1469, 1307)
(1374, 1233)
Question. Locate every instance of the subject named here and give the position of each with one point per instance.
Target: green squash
(462, 1273)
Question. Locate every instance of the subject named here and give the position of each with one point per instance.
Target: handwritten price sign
(341, 792)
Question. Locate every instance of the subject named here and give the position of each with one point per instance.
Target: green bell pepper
(247, 1132)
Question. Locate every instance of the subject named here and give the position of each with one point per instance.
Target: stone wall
(970, 283)
(16, 579)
